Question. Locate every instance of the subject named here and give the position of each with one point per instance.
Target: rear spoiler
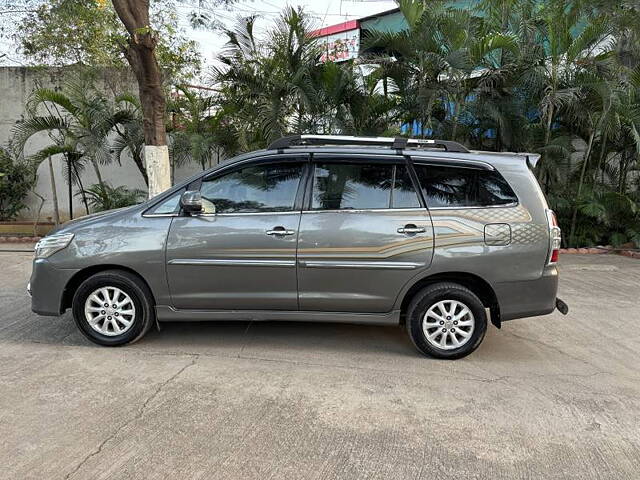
(532, 159)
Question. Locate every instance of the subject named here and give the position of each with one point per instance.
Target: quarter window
(445, 186)
(168, 206)
(355, 186)
(257, 188)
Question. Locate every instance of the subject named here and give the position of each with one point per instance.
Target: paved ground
(552, 397)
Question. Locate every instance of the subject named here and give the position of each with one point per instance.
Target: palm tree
(105, 197)
(193, 127)
(129, 134)
(78, 122)
(84, 114)
(269, 87)
(566, 54)
(431, 61)
(62, 144)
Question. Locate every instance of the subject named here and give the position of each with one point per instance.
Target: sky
(323, 13)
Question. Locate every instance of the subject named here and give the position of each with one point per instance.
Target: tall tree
(140, 53)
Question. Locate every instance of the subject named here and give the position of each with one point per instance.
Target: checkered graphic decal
(528, 233)
(498, 215)
(468, 226)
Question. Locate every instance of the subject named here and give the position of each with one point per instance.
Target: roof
(499, 160)
(333, 29)
(352, 24)
(380, 14)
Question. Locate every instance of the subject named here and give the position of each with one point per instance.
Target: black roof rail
(398, 143)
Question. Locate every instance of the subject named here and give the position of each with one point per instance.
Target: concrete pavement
(544, 398)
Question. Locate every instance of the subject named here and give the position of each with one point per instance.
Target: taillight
(555, 238)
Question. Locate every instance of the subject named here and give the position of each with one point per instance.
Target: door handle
(411, 228)
(280, 231)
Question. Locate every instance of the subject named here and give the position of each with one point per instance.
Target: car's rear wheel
(113, 308)
(446, 320)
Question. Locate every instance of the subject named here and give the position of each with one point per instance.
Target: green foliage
(71, 31)
(553, 77)
(80, 122)
(17, 177)
(103, 197)
(88, 32)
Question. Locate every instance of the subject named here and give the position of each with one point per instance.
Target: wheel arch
(475, 283)
(80, 276)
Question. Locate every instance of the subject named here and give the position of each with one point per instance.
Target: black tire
(130, 284)
(429, 296)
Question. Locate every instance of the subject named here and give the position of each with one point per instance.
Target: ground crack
(552, 347)
(139, 414)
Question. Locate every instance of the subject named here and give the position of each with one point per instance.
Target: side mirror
(191, 202)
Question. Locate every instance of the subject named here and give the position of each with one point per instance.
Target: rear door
(363, 234)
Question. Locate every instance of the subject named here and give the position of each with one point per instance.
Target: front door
(240, 254)
(363, 235)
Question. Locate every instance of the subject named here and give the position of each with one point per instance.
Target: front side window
(359, 186)
(168, 206)
(256, 188)
(446, 186)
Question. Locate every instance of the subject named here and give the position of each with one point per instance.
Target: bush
(16, 179)
(105, 197)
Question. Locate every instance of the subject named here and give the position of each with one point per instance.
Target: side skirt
(166, 313)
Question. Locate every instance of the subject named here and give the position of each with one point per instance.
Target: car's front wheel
(446, 320)
(113, 308)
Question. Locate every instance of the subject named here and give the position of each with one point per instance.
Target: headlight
(50, 245)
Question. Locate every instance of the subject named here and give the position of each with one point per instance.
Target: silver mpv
(423, 233)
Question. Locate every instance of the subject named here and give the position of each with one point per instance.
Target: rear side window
(445, 186)
(355, 186)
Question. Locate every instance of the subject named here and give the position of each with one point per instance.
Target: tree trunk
(456, 113)
(36, 221)
(140, 53)
(137, 159)
(547, 137)
(574, 217)
(69, 181)
(600, 167)
(54, 194)
(82, 192)
(97, 170)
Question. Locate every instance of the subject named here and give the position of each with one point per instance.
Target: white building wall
(16, 84)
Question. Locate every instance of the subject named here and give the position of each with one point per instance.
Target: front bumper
(529, 298)
(47, 286)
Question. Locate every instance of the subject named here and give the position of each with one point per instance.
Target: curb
(7, 239)
(631, 253)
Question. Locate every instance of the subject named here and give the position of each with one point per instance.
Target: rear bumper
(46, 287)
(530, 298)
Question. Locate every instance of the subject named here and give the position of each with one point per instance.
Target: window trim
(303, 159)
(368, 210)
(451, 162)
(384, 159)
(424, 162)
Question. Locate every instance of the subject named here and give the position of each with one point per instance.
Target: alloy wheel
(448, 324)
(110, 311)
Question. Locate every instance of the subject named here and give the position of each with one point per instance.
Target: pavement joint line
(138, 416)
(244, 335)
